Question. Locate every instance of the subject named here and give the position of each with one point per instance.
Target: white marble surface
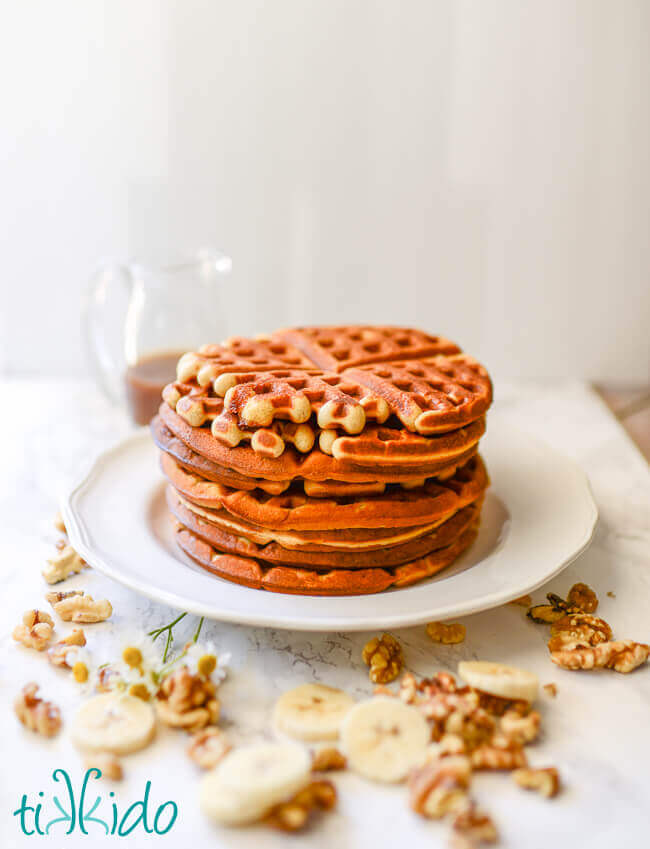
(597, 730)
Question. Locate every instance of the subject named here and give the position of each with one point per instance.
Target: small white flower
(84, 668)
(203, 659)
(139, 661)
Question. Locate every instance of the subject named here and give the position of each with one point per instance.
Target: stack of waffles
(325, 460)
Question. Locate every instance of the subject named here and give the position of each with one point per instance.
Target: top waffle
(303, 384)
(338, 348)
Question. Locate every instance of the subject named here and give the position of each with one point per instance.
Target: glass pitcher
(138, 321)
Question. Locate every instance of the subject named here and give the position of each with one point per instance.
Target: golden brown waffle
(295, 510)
(274, 554)
(383, 454)
(325, 460)
(201, 466)
(290, 579)
(336, 348)
(431, 395)
(238, 355)
(343, 539)
(269, 393)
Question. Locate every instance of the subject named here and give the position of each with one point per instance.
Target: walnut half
(500, 753)
(187, 701)
(578, 629)
(384, 657)
(208, 747)
(521, 729)
(619, 655)
(37, 715)
(545, 781)
(65, 562)
(582, 596)
(58, 654)
(446, 634)
(36, 630)
(76, 606)
(328, 760)
(295, 814)
(476, 826)
(440, 787)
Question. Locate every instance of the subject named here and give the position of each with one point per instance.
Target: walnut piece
(578, 630)
(384, 657)
(408, 688)
(474, 726)
(582, 596)
(446, 634)
(33, 617)
(60, 653)
(521, 729)
(499, 753)
(187, 701)
(328, 760)
(497, 705)
(58, 595)
(440, 787)
(59, 524)
(295, 814)
(76, 606)
(450, 744)
(476, 826)
(208, 747)
(109, 765)
(65, 562)
(36, 714)
(36, 630)
(545, 781)
(412, 691)
(619, 655)
(550, 689)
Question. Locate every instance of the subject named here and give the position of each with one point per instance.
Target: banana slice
(384, 738)
(508, 682)
(311, 712)
(250, 781)
(113, 722)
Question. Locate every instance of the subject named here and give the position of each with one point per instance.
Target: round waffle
(204, 468)
(380, 453)
(290, 579)
(325, 460)
(273, 554)
(345, 539)
(336, 348)
(395, 507)
(297, 384)
(194, 462)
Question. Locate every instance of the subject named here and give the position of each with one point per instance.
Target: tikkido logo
(78, 815)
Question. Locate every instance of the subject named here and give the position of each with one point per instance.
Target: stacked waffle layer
(325, 460)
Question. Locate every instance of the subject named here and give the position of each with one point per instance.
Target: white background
(480, 169)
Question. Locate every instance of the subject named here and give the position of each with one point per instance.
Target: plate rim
(75, 532)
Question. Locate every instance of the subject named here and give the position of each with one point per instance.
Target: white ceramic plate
(539, 514)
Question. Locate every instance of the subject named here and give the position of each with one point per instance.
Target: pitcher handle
(106, 355)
